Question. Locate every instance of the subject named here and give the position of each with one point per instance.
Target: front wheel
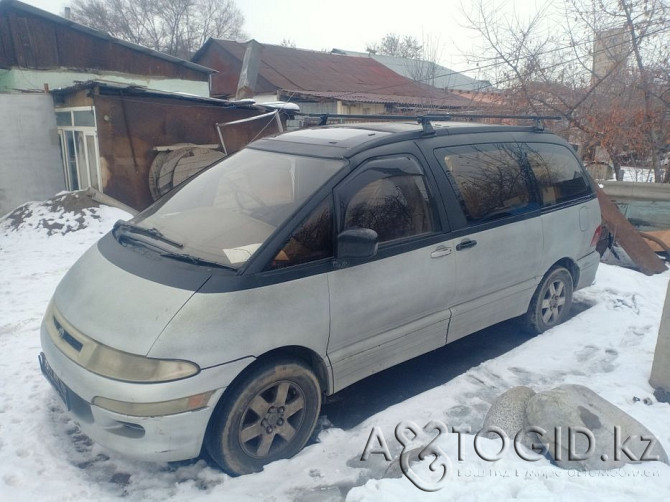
(268, 415)
(551, 302)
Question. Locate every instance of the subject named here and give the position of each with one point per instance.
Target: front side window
(558, 173)
(393, 202)
(227, 212)
(311, 241)
(490, 179)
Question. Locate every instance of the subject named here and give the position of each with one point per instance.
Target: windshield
(227, 212)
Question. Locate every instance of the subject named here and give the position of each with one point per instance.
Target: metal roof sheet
(430, 72)
(322, 72)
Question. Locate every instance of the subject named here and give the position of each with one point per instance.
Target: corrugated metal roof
(109, 87)
(429, 72)
(305, 70)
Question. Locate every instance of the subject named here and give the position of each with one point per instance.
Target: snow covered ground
(43, 456)
(638, 174)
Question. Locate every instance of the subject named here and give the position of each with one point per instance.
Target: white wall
(30, 162)
(19, 78)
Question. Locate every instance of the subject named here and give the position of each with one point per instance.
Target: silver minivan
(220, 317)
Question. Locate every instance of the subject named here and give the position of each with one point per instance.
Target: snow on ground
(639, 174)
(608, 347)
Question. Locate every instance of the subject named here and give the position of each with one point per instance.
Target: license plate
(56, 382)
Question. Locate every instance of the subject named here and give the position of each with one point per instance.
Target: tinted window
(490, 179)
(393, 202)
(558, 173)
(311, 241)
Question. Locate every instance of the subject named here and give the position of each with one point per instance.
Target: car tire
(268, 415)
(551, 302)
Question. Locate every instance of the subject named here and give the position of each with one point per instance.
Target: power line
(521, 58)
(566, 61)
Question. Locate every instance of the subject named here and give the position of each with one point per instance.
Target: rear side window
(490, 179)
(391, 197)
(558, 173)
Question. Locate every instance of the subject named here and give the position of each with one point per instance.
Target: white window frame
(86, 131)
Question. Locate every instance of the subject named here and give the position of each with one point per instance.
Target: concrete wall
(630, 190)
(361, 108)
(326, 107)
(30, 161)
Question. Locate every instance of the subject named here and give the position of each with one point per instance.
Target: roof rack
(425, 120)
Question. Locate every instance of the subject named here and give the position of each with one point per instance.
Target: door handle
(467, 243)
(440, 251)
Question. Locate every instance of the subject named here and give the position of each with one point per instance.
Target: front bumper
(157, 438)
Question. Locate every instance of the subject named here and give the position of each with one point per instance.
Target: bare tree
(287, 42)
(603, 65)
(425, 68)
(176, 27)
(392, 44)
(421, 58)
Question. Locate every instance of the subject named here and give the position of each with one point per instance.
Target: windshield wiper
(154, 233)
(189, 258)
(130, 228)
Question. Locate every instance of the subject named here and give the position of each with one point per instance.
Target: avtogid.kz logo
(408, 434)
(420, 447)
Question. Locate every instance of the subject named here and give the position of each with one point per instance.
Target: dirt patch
(61, 214)
(17, 217)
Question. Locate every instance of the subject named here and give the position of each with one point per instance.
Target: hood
(106, 297)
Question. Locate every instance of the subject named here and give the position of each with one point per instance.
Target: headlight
(109, 362)
(119, 365)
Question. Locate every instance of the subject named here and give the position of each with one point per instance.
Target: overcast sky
(353, 24)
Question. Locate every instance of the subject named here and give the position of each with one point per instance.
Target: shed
(111, 133)
(39, 49)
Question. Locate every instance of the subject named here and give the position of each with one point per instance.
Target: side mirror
(357, 243)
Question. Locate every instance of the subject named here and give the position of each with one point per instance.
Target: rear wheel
(551, 302)
(269, 415)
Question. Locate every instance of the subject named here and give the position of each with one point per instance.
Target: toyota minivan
(219, 317)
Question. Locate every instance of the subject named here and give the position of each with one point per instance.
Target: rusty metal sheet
(628, 237)
(287, 68)
(659, 240)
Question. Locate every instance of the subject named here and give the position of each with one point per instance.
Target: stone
(600, 435)
(508, 412)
